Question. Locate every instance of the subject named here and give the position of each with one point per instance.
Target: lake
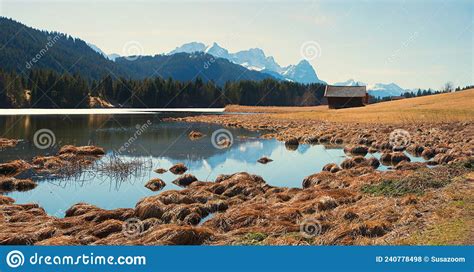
(160, 144)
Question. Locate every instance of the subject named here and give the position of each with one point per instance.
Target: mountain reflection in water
(159, 144)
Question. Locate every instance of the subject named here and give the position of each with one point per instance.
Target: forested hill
(23, 48)
(184, 67)
(42, 69)
(47, 89)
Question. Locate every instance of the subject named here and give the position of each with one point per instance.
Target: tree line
(49, 89)
(447, 88)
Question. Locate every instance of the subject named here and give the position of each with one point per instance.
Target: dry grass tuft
(119, 169)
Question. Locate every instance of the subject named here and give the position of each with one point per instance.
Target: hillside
(24, 48)
(434, 108)
(184, 67)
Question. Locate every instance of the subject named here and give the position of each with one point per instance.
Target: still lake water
(161, 145)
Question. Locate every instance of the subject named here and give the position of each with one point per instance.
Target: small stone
(264, 160)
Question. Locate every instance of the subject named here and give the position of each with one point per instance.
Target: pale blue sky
(412, 43)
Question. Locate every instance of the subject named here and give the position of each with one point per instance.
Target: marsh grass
(453, 223)
(395, 188)
(72, 170)
(253, 238)
(419, 181)
(120, 169)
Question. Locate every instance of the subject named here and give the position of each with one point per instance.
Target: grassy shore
(437, 121)
(453, 223)
(435, 108)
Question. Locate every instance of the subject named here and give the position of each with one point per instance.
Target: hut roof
(345, 91)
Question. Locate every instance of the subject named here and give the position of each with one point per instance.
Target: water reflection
(161, 145)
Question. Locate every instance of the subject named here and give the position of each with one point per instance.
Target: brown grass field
(458, 106)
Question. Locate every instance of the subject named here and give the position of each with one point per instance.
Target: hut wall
(345, 102)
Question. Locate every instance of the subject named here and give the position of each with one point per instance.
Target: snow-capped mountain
(97, 49)
(377, 89)
(384, 90)
(111, 57)
(255, 59)
(189, 48)
(350, 82)
(252, 59)
(303, 72)
(218, 51)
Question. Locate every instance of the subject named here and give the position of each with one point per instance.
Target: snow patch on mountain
(97, 49)
(350, 82)
(189, 48)
(377, 89)
(303, 72)
(218, 51)
(384, 90)
(111, 57)
(255, 59)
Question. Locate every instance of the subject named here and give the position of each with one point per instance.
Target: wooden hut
(346, 96)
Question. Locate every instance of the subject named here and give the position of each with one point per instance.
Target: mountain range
(378, 89)
(185, 67)
(24, 48)
(256, 59)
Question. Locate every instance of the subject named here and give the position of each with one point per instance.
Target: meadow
(458, 106)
